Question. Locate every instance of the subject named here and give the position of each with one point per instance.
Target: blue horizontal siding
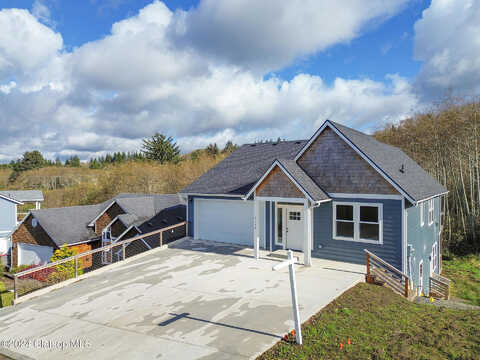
(327, 248)
(420, 240)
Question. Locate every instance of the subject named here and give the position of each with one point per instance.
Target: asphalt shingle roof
(304, 180)
(23, 195)
(237, 174)
(70, 224)
(415, 181)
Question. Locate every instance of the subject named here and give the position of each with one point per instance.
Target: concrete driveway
(193, 300)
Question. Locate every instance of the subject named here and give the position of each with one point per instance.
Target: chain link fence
(42, 276)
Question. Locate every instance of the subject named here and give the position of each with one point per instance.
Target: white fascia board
(431, 197)
(277, 163)
(11, 200)
(280, 199)
(366, 196)
(359, 152)
(210, 195)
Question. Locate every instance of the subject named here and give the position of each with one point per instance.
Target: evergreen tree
(212, 150)
(229, 147)
(161, 149)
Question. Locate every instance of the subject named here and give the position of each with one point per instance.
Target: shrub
(17, 269)
(3, 288)
(6, 299)
(67, 269)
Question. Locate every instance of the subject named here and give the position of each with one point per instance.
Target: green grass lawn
(383, 325)
(465, 274)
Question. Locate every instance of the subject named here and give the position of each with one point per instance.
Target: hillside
(65, 186)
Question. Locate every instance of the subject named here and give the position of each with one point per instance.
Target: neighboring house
(331, 197)
(10, 201)
(88, 227)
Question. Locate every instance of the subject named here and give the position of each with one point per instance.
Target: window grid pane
(358, 222)
(345, 229)
(344, 212)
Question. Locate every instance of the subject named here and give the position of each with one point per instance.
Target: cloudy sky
(92, 76)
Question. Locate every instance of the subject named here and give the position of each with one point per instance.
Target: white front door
(294, 227)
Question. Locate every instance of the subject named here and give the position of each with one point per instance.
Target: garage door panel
(228, 221)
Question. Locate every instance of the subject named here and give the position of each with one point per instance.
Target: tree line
(158, 148)
(445, 142)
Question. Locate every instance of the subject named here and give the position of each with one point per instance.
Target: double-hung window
(360, 222)
(430, 211)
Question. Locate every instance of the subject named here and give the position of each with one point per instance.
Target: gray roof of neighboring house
(23, 195)
(70, 224)
(304, 180)
(415, 181)
(143, 208)
(237, 174)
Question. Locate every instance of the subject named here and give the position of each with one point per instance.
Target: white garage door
(228, 221)
(4, 245)
(29, 254)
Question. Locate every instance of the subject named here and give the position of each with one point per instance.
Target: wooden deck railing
(439, 286)
(380, 271)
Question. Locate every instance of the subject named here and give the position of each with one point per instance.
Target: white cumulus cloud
(155, 72)
(447, 40)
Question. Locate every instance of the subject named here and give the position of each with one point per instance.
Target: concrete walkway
(194, 300)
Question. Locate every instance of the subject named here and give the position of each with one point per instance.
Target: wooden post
(161, 238)
(368, 263)
(123, 251)
(406, 287)
(186, 228)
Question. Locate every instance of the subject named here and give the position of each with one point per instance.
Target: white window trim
(356, 222)
(422, 214)
(431, 210)
(420, 276)
(434, 261)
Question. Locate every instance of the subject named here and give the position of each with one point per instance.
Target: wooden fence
(381, 272)
(439, 286)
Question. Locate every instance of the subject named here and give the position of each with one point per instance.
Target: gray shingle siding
(421, 240)
(350, 251)
(415, 181)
